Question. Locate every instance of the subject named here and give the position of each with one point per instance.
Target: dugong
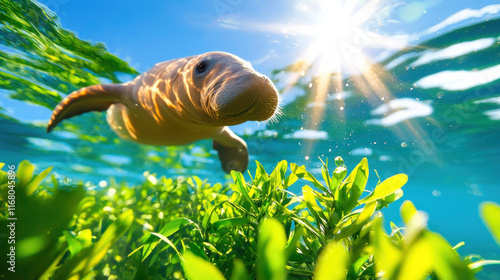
(181, 101)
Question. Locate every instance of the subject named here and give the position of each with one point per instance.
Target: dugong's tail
(93, 98)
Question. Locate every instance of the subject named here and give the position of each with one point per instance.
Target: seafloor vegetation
(256, 229)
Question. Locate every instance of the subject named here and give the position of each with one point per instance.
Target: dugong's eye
(201, 67)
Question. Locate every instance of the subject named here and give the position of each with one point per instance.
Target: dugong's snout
(266, 103)
(249, 97)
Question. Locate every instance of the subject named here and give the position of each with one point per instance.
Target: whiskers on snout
(275, 117)
(278, 113)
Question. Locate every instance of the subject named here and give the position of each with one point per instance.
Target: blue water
(429, 108)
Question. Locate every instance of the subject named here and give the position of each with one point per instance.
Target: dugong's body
(181, 101)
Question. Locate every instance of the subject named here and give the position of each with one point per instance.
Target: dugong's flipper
(93, 98)
(233, 153)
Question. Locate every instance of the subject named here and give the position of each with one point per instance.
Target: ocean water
(427, 106)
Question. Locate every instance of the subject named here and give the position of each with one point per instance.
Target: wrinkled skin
(181, 101)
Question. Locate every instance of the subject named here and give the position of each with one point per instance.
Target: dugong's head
(231, 91)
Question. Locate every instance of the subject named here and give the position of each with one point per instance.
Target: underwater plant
(256, 229)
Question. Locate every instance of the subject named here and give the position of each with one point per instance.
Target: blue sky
(146, 32)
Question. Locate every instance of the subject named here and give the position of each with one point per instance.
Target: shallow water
(430, 110)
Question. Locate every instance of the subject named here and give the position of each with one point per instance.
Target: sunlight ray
(339, 40)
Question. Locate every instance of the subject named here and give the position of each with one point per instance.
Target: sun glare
(336, 40)
(339, 35)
